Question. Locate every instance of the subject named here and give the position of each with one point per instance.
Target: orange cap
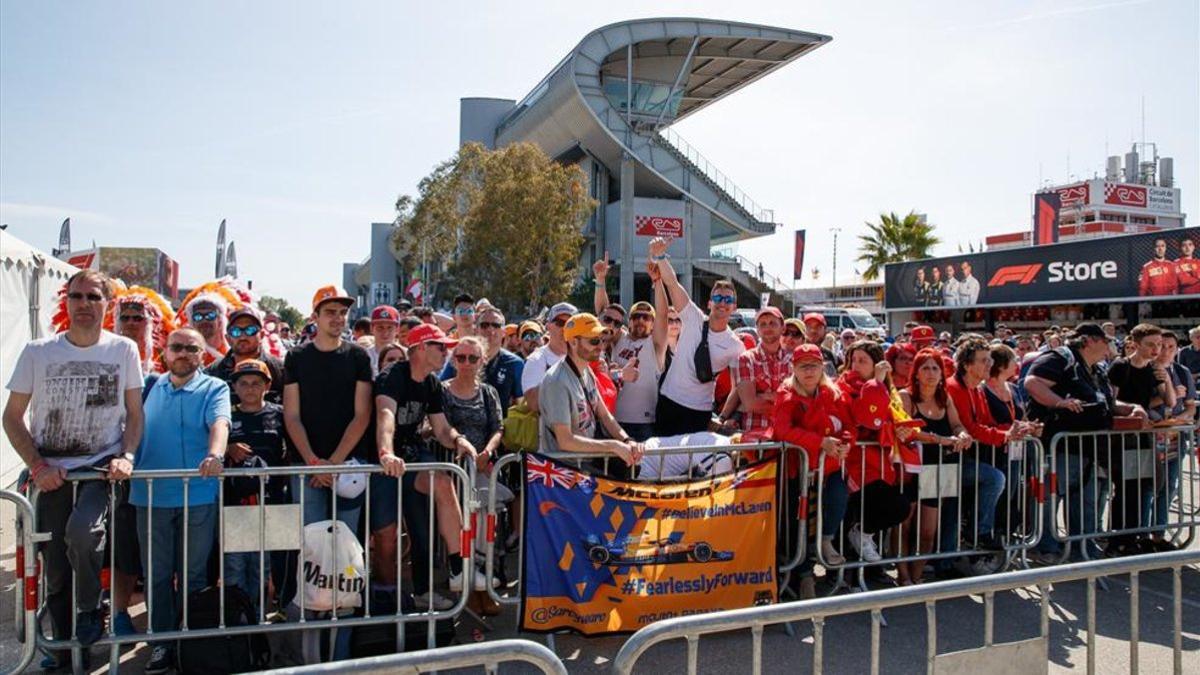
(330, 293)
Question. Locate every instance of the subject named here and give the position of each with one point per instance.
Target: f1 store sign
(658, 226)
(1056, 271)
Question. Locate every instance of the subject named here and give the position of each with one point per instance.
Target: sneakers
(830, 554)
(122, 624)
(432, 599)
(480, 583)
(863, 544)
(89, 626)
(161, 660)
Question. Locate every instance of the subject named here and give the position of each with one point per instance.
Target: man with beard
(245, 335)
(571, 405)
(208, 318)
(759, 373)
(951, 294)
(635, 370)
(164, 518)
(82, 390)
(706, 347)
(1187, 268)
(1158, 275)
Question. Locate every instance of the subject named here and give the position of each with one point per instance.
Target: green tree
(503, 223)
(894, 239)
(280, 307)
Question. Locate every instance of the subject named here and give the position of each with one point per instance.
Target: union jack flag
(548, 473)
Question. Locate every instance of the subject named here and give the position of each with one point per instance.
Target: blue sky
(300, 122)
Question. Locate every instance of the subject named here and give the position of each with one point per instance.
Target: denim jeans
(987, 482)
(75, 522)
(161, 532)
(835, 499)
(1156, 503)
(242, 571)
(1082, 492)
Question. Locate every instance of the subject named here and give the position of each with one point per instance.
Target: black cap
(403, 305)
(245, 311)
(1089, 329)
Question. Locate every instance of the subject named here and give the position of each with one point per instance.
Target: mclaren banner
(607, 556)
(1111, 269)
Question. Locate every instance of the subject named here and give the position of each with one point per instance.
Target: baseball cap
(510, 329)
(849, 332)
(642, 306)
(385, 313)
(530, 327)
(815, 316)
(768, 311)
(251, 367)
(1088, 329)
(809, 352)
(794, 323)
(330, 293)
(563, 308)
(582, 325)
(921, 334)
(351, 485)
(245, 311)
(403, 305)
(428, 332)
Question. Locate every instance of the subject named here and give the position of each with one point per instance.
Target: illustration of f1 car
(642, 550)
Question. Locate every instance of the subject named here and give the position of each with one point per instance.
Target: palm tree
(894, 239)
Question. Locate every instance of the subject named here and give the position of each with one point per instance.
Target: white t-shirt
(680, 384)
(709, 462)
(537, 365)
(637, 400)
(77, 405)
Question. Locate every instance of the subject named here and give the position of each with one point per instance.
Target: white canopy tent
(29, 283)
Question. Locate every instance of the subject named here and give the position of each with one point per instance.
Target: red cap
(807, 353)
(769, 311)
(385, 313)
(815, 316)
(922, 334)
(428, 332)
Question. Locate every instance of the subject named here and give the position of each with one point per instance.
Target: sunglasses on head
(466, 358)
(611, 321)
(490, 324)
(132, 318)
(180, 347)
(239, 331)
(90, 297)
(724, 299)
(210, 315)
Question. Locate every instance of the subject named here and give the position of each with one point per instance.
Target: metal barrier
(755, 619)
(655, 467)
(1119, 485)
(266, 521)
(26, 580)
(487, 654)
(937, 499)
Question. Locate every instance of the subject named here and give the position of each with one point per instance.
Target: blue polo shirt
(176, 437)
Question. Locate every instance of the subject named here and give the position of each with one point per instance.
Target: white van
(838, 319)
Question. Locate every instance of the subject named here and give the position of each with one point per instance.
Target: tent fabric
(29, 280)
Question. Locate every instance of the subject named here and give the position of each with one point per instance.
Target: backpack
(222, 654)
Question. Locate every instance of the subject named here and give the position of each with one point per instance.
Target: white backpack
(332, 559)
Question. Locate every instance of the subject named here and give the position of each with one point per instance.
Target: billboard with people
(1112, 269)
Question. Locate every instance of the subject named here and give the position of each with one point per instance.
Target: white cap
(351, 485)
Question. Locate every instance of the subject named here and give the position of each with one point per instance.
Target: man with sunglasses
(793, 334)
(685, 401)
(545, 356)
(572, 407)
(177, 527)
(530, 337)
(209, 319)
(464, 315)
(82, 390)
(502, 369)
(245, 335)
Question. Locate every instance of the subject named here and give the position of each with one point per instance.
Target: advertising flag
(798, 259)
(606, 556)
(1046, 206)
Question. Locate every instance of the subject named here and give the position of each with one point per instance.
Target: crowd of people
(129, 386)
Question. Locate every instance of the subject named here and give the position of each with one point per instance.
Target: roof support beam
(685, 67)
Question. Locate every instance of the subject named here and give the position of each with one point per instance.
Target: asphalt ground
(960, 625)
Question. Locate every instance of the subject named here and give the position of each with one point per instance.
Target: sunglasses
(676, 321)
(91, 297)
(463, 311)
(490, 325)
(610, 321)
(640, 317)
(466, 358)
(177, 347)
(793, 333)
(132, 318)
(560, 322)
(210, 315)
(531, 337)
(238, 331)
(595, 342)
(724, 299)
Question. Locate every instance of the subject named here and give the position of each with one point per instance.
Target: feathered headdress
(227, 295)
(159, 315)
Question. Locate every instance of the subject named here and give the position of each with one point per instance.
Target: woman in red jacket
(871, 471)
(809, 414)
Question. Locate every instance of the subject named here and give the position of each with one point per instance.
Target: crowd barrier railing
(248, 529)
(26, 581)
(487, 654)
(940, 497)
(755, 619)
(1118, 485)
(663, 464)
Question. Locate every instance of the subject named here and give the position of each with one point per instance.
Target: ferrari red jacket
(1158, 278)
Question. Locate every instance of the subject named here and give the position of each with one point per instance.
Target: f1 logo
(1021, 274)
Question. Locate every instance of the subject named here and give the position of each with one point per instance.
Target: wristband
(657, 258)
(312, 462)
(37, 469)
